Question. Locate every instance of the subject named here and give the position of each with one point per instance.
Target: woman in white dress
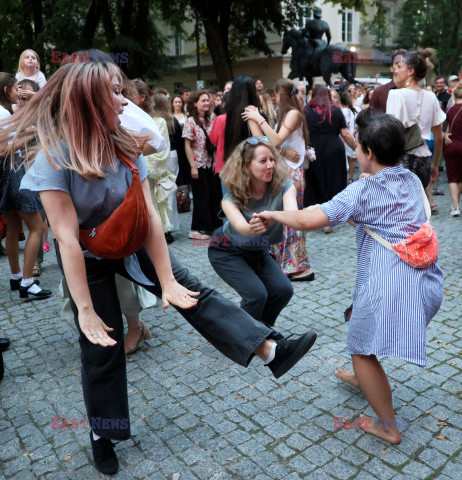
(415, 105)
(350, 112)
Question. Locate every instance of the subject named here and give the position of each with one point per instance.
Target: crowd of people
(101, 159)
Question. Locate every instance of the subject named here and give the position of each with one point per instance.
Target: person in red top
(229, 129)
(453, 149)
(380, 97)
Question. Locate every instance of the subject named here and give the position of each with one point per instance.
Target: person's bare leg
(45, 231)
(431, 199)
(374, 384)
(351, 168)
(35, 226)
(454, 189)
(13, 228)
(134, 329)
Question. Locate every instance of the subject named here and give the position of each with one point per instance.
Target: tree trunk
(91, 24)
(219, 52)
(126, 18)
(140, 36)
(109, 29)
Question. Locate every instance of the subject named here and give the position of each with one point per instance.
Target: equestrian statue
(313, 57)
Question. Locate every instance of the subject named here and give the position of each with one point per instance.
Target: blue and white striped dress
(392, 301)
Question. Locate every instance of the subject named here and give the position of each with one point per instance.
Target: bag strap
(127, 161)
(384, 242)
(454, 119)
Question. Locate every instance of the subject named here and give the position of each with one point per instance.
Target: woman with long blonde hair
(291, 134)
(256, 179)
(85, 166)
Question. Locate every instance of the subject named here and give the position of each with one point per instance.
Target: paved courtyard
(195, 415)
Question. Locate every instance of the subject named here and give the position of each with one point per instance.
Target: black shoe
(103, 455)
(304, 278)
(289, 352)
(169, 238)
(15, 284)
(2, 368)
(4, 344)
(24, 291)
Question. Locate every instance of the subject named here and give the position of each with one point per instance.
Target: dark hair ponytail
(418, 62)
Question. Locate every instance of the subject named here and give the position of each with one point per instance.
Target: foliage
(72, 25)
(436, 24)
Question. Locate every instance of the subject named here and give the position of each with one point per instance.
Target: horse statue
(332, 59)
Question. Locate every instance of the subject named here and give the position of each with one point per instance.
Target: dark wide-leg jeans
(104, 378)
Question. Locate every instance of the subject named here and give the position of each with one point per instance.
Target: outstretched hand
(266, 216)
(95, 329)
(175, 294)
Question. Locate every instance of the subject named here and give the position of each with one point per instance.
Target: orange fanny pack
(127, 229)
(420, 249)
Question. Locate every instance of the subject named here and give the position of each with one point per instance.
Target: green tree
(436, 24)
(71, 25)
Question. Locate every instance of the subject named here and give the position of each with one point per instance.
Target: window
(178, 44)
(347, 26)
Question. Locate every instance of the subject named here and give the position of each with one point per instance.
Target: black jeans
(207, 196)
(104, 379)
(265, 290)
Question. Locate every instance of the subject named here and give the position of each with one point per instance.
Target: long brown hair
(287, 102)
(71, 108)
(144, 91)
(7, 82)
(236, 174)
(161, 108)
(192, 109)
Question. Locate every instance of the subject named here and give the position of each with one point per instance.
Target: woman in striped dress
(392, 302)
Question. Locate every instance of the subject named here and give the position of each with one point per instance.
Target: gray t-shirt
(95, 199)
(274, 233)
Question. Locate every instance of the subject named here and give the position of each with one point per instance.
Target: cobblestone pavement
(196, 414)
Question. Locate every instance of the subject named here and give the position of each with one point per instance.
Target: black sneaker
(103, 455)
(289, 352)
(24, 291)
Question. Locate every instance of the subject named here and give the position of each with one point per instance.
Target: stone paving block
(193, 424)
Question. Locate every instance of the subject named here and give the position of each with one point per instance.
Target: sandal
(145, 334)
(434, 208)
(37, 270)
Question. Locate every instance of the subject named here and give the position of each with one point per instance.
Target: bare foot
(390, 435)
(347, 376)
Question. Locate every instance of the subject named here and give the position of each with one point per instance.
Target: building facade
(345, 26)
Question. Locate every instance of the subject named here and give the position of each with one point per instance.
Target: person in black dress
(326, 176)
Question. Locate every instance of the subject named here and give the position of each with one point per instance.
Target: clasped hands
(260, 221)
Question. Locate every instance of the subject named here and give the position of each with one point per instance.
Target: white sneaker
(455, 213)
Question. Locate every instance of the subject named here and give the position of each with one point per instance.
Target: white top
(405, 104)
(350, 119)
(137, 120)
(4, 113)
(296, 142)
(38, 78)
